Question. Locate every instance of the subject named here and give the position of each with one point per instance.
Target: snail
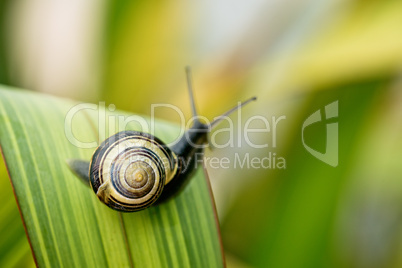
(133, 170)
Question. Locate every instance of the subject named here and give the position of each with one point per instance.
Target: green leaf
(14, 247)
(66, 224)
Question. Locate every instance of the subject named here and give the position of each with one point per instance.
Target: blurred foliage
(297, 209)
(143, 53)
(3, 51)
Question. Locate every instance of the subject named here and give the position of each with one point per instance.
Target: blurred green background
(297, 56)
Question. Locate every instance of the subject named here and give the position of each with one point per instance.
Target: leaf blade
(66, 223)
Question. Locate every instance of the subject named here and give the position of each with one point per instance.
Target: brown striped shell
(129, 170)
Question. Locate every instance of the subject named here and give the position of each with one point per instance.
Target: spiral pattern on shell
(129, 170)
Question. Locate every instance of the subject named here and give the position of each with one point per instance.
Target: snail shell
(129, 170)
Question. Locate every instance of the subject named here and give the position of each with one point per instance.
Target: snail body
(133, 170)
